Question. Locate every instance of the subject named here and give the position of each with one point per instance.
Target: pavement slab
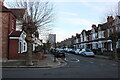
(47, 62)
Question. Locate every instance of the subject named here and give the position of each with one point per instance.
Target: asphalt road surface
(77, 67)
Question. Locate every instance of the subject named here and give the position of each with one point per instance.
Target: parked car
(77, 51)
(72, 51)
(52, 50)
(65, 49)
(68, 50)
(59, 54)
(86, 52)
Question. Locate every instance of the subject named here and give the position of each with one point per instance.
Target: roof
(88, 32)
(18, 12)
(77, 35)
(15, 34)
(96, 29)
(3, 8)
(83, 31)
(119, 17)
(106, 25)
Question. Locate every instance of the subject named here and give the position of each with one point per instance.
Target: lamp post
(55, 47)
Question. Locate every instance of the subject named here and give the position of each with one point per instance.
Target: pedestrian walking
(55, 56)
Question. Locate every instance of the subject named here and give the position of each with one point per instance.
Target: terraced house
(97, 37)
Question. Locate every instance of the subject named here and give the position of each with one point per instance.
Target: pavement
(47, 62)
(102, 57)
(106, 57)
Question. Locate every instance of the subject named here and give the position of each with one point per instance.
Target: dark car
(59, 54)
(52, 50)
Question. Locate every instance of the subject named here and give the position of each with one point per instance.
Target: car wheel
(84, 55)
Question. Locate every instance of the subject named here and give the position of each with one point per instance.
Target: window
(12, 23)
(118, 43)
(19, 47)
(88, 50)
(24, 47)
(105, 34)
(116, 28)
(108, 32)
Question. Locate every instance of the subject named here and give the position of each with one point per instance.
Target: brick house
(13, 42)
(89, 39)
(77, 41)
(104, 32)
(8, 22)
(17, 44)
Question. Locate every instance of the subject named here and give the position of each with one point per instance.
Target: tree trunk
(29, 54)
(29, 50)
(114, 50)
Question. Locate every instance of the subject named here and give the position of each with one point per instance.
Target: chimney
(1, 2)
(109, 19)
(72, 36)
(93, 26)
(77, 34)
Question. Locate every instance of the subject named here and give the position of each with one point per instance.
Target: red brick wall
(5, 27)
(0, 37)
(11, 28)
(5, 22)
(13, 49)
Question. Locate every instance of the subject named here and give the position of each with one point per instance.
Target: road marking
(101, 64)
(91, 62)
(74, 60)
(64, 58)
(86, 60)
(114, 64)
(92, 58)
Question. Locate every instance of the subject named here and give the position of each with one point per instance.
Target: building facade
(12, 39)
(52, 40)
(97, 37)
(8, 22)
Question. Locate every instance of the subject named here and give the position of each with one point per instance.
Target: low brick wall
(36, 56)
(106, 53)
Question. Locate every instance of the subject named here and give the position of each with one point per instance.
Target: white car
(87, 52)
(69, 50)
(77, 51)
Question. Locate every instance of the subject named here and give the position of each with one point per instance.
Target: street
(77, 67)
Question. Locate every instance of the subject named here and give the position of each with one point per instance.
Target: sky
(72, 16)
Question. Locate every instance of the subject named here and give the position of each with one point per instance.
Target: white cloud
(77, 21)
(100, 8)
(84, 0)
(60, 34)
(68, 13)
(68, 0)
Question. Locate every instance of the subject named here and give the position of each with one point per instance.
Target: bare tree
(38, 16)
(110, 11)
(114, 36)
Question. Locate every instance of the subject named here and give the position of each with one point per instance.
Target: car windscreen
(88, 50)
